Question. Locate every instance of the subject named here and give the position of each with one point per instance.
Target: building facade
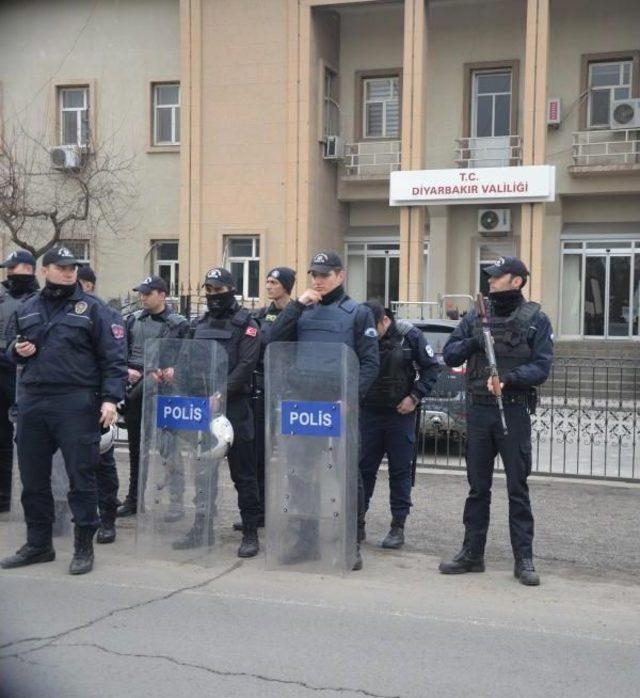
(293, 113)
(108, 72)
(300, 110)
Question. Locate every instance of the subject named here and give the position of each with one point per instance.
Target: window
(166, 114)
(373, 268)
(600, 289)
(74, 115)
(331, 106)
(243, 255)
(165, 263)
(488, 254)
(491, 105)
(607, 82)
(78, 248)
(381, 107)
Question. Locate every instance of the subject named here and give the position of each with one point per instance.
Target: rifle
(491, 358)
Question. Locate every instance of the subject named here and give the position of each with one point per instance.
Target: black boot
(525, 571)
(250, 545)
(29, 555)
(82, 561)
(195, 536)
(107, 531)
(395, 538)
(129, 508)
(463, 562)
(357, 565)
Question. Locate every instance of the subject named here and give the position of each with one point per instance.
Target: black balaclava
(20, 283)
(218, 303)
(503, 303)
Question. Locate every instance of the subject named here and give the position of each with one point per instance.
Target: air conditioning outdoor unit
(494, 221)
(625, 113)
(333, 148)
(68, 157)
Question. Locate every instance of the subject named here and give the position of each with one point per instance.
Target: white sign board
(482, 185)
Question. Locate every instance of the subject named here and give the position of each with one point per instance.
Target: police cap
(61, 256)
(152, 283)
(325, 262)
(18, 257)
(508, 265)
(219, 276)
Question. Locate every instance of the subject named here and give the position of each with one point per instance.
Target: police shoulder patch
(371, 332)
(117, 331)
(429, 351)
(251, 332)
(80, 308)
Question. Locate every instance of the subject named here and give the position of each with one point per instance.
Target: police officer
(73, 376)
(280, 281)
(107, 473)
(524, 351)
(156, 320)
(20, 284)
(408, 370)
(226, 322)
(325, 313)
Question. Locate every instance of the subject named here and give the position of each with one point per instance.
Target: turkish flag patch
(117, 331)
(252, 332)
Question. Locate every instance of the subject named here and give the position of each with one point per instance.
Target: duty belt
(507, 399)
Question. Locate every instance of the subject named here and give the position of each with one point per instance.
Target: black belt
(507, 399)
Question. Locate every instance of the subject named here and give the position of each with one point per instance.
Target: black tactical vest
(145, 327)
(228, 331)
(397, 372)
(510, 345)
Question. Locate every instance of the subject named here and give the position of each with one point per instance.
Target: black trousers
(107, 480)
(485, 440)
(133, 420)
(69, 422)
(259, 442)
(242, 460)
(7, 398)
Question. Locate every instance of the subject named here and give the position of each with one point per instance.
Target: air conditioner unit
(625, 113)
(333, 148)
(68, 157)
(494, 221)
(554, 112)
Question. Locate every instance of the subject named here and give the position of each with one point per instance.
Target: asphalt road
(227, 628)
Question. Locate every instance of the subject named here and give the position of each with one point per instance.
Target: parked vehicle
(445, 409)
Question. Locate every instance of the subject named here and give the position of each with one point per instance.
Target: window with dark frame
(491, 103)
(331, 106)
(381, 107)
(607, 81)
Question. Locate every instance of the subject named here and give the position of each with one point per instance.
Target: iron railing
(586, 423)
(371, 159)
(498, 151)
(449, 305)
(606, 147)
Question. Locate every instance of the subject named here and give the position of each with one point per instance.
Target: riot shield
(184, 391)
(311, 456)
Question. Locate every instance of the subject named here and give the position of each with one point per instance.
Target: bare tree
(40, 205)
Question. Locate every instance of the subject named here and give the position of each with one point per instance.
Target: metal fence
(586, 424)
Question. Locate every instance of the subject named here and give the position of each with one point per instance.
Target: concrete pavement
(144, 627)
